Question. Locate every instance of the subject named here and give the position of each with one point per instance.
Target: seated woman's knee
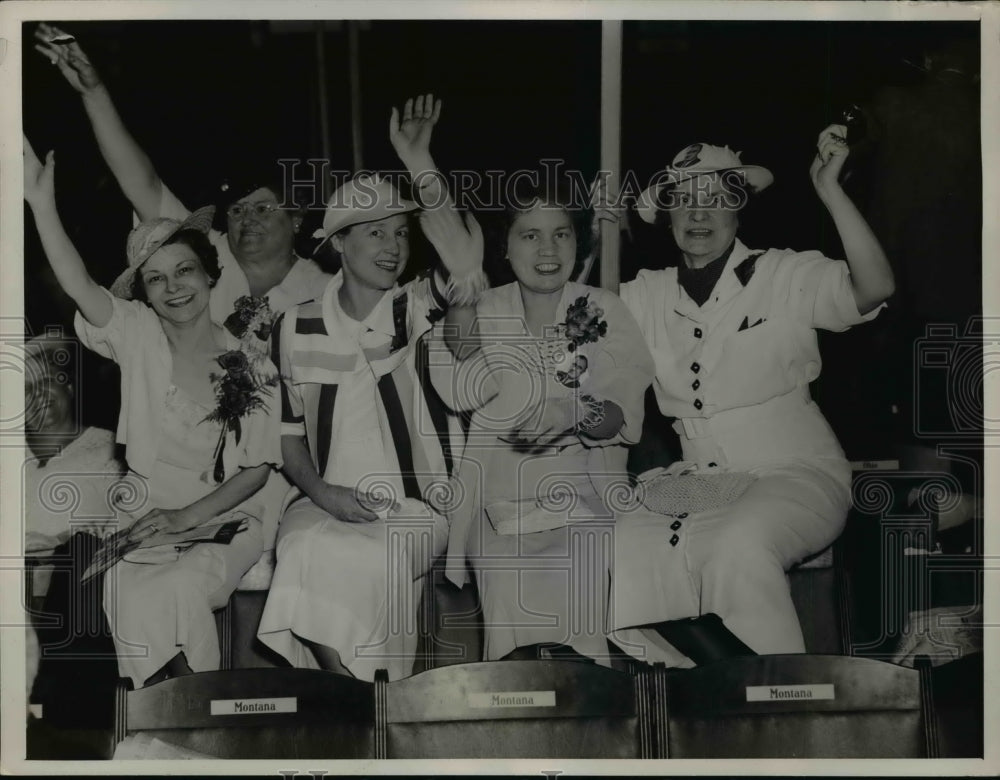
(741, 539)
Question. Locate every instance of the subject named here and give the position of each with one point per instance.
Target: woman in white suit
(733, 336)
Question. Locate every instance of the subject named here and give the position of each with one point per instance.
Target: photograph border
(12, 671)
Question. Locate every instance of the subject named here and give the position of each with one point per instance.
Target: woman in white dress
(364, 436)
(554, 373)
(202, 440)
(733, 335)
(256, 250)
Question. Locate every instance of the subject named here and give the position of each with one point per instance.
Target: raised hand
(39, 179)
(831, 153)
(459, 242)
(411, 137)
(68, 266)
(606, 203)
(68, 56)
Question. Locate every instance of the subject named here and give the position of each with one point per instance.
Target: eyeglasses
(260, 210)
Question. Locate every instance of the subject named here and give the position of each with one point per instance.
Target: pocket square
(745, 325)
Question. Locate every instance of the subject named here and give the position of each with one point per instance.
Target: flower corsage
(563, 360)
(583, 325)
(252, 316)
(240, 392)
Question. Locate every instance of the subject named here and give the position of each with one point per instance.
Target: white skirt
(157, 610)
(350, 586)
(547, 587)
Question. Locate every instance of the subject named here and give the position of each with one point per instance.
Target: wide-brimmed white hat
(148, 236)
(699, 160)
(361, 199)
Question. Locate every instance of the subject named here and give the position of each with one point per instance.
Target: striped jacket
(422, 437)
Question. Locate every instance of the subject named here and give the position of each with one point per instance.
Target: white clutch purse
(686, 488)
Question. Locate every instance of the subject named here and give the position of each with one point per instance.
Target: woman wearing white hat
(733, 335)
(202, 440)
(365, 438)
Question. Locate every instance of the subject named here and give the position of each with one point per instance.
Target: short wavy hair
(526, 193)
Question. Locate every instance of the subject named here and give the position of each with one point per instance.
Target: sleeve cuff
(103, 340)
(293, 429)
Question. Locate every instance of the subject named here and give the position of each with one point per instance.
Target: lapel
(728, 286)
(385, 334)
(746, 269)
(724, 314)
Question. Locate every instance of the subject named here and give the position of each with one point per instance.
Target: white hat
(697, 160)
(362, 199)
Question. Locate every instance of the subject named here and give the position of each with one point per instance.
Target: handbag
(686, 488)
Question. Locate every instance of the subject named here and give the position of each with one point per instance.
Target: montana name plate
(253, 706)
(789, 692)
(512, 699)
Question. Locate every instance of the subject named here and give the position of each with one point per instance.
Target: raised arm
(872, 279)
(68, 266)
(458, 240)
(460, 245)
(130, 165)
(607, 207)
(411, 138)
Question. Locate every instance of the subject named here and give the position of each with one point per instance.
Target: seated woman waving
(554, 373)
(365, 438)
(260, 273)
(733, 335)
(197, 421)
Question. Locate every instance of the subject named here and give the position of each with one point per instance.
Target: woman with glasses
(199, 423)
(257, 259)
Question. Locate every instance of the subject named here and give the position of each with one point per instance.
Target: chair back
(516, 709)
(255, 714)
(795, 706)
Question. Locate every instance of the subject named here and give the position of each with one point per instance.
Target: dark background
(205, 97)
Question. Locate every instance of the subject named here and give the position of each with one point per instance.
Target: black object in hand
(856, 122)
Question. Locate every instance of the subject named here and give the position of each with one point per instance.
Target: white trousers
(157, 610)
(730, 561)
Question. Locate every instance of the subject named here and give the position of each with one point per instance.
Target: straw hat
(148, 236)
